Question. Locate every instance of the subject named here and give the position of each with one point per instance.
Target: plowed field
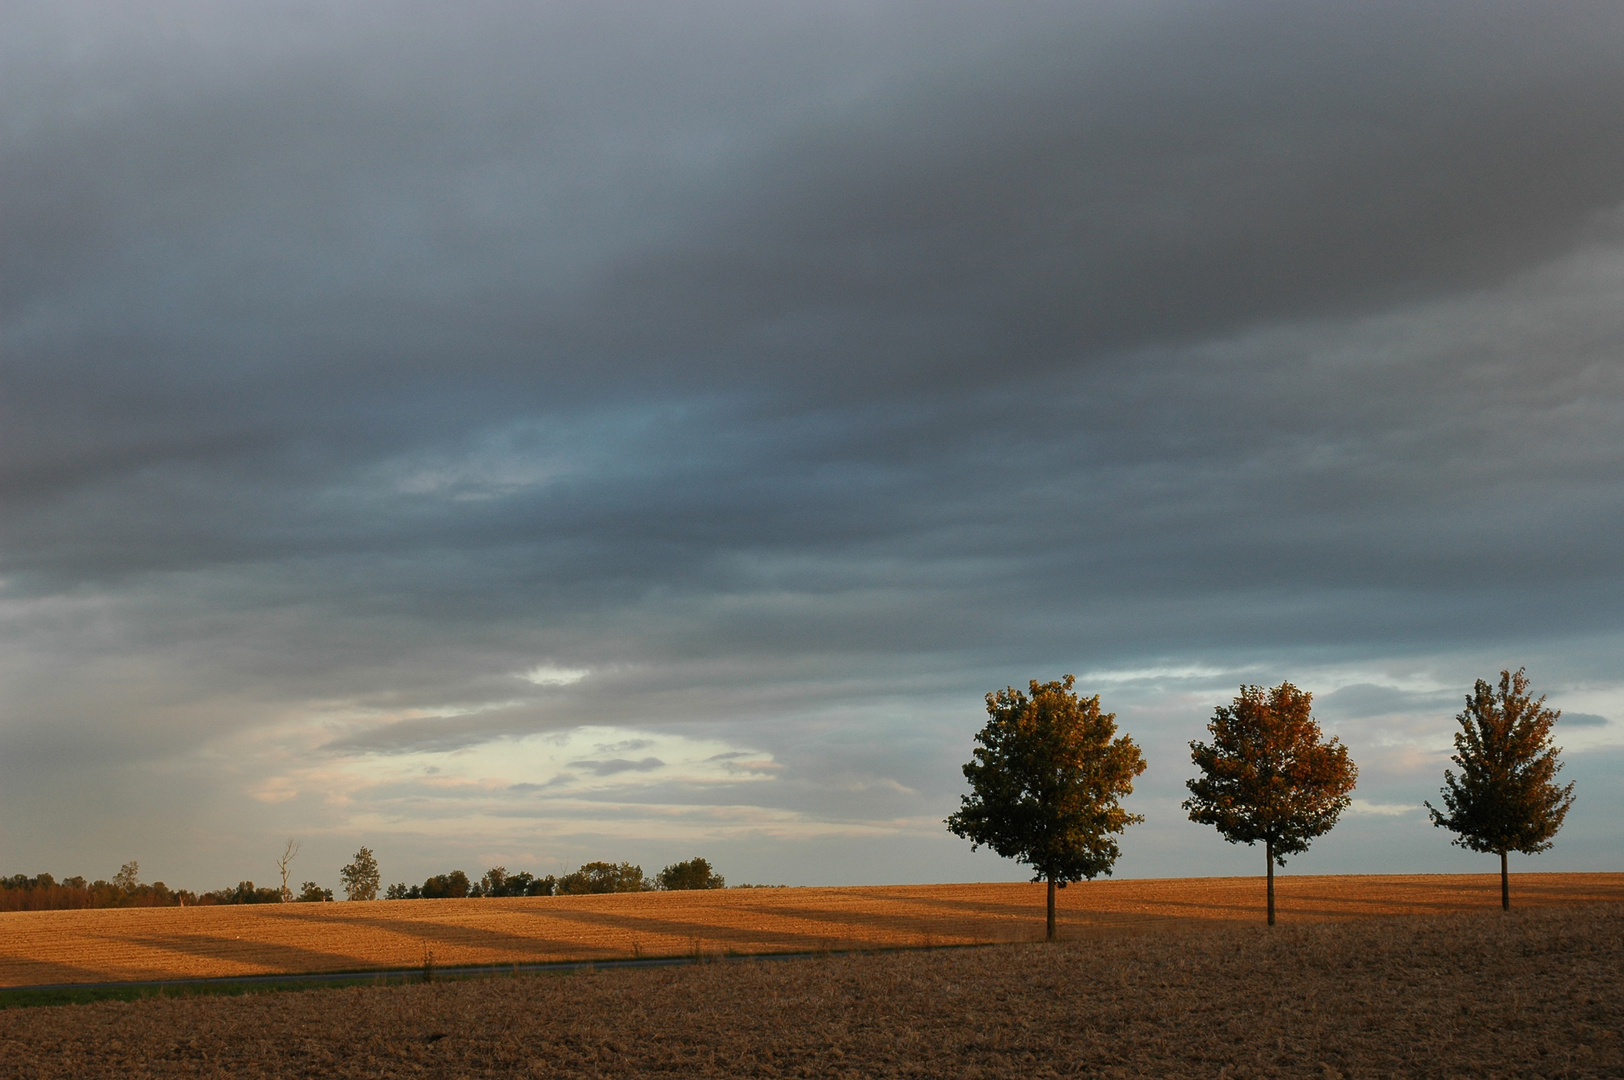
(50, 947)
(1536, 993)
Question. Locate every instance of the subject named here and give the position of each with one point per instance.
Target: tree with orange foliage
(1047, 783)
(1507, 798)
(1268, 776)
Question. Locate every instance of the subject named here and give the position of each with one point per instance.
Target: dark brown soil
(1526, 994)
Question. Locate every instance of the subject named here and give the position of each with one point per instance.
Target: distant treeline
(593, 877)
(44, 893)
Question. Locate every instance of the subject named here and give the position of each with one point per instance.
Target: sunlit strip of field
(49, 947)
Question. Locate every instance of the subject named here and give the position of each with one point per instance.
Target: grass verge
(26, 997)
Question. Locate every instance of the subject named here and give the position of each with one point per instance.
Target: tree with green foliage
(602, 877)
(311, 893)
(1268, 776)
(693, 874)
(246, 892)
(1506, 797)
(523, 883)
(1046, 785)
(452, 886)
(494, 882)
(360, 877)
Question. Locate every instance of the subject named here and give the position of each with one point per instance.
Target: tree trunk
(1505, 885)
(1051, 908)
(1268, 853)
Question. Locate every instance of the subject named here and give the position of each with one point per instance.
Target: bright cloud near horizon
(532, 433)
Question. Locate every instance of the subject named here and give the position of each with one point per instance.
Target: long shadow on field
(1025, 918)
(1153, 909)
(979, 908)
(891, 924)
(17, 971)
(250, 951)
(685, 930)
(1244, 904)
(466, 936)
(831, 926)
(882, 929)
(1418, 899)
(972, 907)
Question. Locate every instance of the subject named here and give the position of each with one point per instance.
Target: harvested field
(1533, 993)
(52, 947)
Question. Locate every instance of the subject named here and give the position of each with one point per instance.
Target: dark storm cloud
(1105, 191)
(774, 365)
(230, 301)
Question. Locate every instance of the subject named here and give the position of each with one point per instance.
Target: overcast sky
(527, 433)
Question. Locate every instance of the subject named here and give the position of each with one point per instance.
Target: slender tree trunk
(1051, 908)
(1505, 885)
(1268, 853)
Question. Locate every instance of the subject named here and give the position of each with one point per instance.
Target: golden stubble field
(1537, 992)
(55, 947)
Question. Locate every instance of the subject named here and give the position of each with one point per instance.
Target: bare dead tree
(282, 865)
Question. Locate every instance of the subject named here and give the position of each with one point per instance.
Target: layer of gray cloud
(799, 373)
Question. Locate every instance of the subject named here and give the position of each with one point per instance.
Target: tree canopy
(360, 876)
(1046, 784)
(693, 874)
(452, 886)
(1506, 797)
(1267, 775)
(602, 877)
(498, 882)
